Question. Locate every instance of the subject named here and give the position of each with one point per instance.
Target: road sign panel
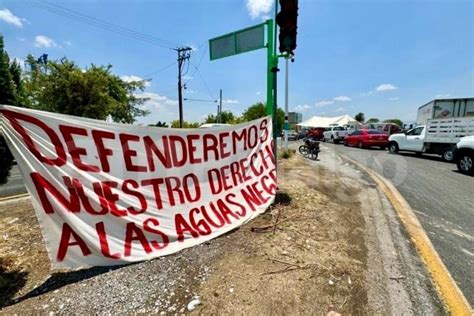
(238, 42)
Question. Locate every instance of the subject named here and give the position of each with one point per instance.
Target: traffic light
(287, 21)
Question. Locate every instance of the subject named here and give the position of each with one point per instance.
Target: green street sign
(238, 42)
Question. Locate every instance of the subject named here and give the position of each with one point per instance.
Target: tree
(63, 87)
(175, 124)
(159, 124)
(227, 117)
(395, 121)
(10, 74)
(258, 110)
(7, 84)
(360, 117)
(373, 120)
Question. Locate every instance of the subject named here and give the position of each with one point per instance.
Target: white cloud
(8, 17)
(230, 101)
(259, 8)
(187, 78)
(133, 78)
(67, 43)
(161, 108)
(44, 41)
(157, 102)
(342, 98)
(442, 96)
(364, 94)
(386, 87)
(394, 99)
(322, 103)
(339, 110)
(258, 92)
(302, 107)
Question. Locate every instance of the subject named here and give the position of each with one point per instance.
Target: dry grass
(304, 256)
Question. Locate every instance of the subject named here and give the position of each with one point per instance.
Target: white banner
(107, 193)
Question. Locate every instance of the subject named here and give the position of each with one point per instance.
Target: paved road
(442, 198)
(14, 185)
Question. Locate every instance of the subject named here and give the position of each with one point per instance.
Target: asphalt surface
(442, 198)
(14, 184)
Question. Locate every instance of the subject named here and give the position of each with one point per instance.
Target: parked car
(316, 133)
(366, 138)
(438, 136)
(302, 133)
(292, 135)
(464, 156)
(335, 134)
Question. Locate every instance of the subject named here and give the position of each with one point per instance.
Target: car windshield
(339, 128)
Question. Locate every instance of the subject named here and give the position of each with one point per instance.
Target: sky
(382, 58)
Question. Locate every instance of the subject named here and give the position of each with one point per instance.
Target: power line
(204, 82)
(160, 70)
(199, 64)
(89, 20)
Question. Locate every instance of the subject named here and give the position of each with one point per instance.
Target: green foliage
(395, 121)
(373, 120)
(159, 124)
(8, 89)
(258, 110)
(10, 75)
(175, 124)
(63, 87)
(227, 117)
(360, 117)
(287, 153)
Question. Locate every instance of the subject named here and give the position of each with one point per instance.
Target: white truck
(335, 134)
(437, 136)
(465, 155)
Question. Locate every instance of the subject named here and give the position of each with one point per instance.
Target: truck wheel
(393, 147)
(466, 164)
(448, 154)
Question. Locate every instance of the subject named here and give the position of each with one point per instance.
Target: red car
(366, 138)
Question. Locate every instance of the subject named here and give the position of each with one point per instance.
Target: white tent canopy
(322, 121)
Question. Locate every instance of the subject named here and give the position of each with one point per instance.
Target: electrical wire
(89, 20)
(160, 70)
(204, 82)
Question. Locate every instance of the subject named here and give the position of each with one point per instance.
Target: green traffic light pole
(272, 69)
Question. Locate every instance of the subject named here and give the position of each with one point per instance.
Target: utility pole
(219, 108)
(183, 55)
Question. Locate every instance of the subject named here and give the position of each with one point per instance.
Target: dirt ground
(305, 255)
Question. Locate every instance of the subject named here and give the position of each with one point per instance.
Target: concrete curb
(447, 288)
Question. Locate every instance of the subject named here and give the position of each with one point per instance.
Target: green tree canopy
(63, 87)
(227, 117)
(373, 120)
(175, 124)
(8, 77)
(159, 124)
(395, 121)
(10, 74)
(360, 117)
(257, 110)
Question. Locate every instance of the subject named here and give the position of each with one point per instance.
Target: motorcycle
(310, 148)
